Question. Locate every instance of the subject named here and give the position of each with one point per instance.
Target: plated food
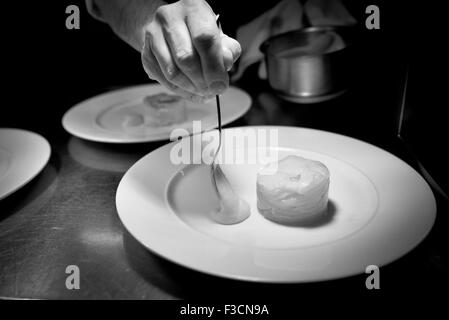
(374, 200)
(296, 193)
(155, 111)
(165, 109)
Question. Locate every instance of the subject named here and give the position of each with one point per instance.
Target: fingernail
(217, 87)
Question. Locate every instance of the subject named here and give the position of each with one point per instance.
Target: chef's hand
(185, 51)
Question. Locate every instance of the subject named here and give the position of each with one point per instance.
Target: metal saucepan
(311, 64)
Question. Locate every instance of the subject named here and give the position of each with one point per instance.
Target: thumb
(231, 51)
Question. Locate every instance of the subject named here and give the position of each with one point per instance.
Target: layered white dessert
(165, 109)
(296, 193)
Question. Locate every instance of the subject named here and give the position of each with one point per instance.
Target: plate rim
(65, 120)
(46, 148)
(256, 278)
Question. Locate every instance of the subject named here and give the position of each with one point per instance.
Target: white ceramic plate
(101, 118)
(23, 155)
(380, 208)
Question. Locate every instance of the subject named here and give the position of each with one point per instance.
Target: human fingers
(153, 70)
(157, 44)
(231, 51)
(184, 53)
(206, 39)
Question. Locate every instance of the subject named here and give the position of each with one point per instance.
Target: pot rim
(265, 45)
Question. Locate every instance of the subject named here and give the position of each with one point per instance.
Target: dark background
(48, 68)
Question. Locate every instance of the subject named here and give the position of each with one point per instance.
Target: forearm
(128, 17)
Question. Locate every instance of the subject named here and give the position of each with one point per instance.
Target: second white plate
(100, 118)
